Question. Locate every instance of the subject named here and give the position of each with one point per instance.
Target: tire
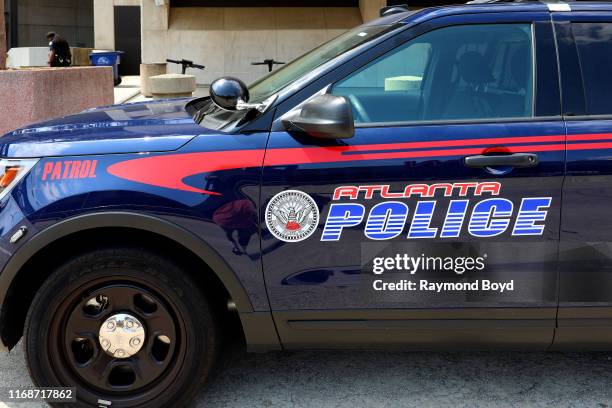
(138, 294)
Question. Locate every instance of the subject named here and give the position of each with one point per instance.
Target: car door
(585, 297)
(437, 223)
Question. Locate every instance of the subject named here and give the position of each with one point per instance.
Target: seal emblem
(292, 216)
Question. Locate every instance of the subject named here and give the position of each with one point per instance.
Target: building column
(155, 15)
(370, 9)
(104, 24)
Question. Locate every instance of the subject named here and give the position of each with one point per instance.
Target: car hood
(131, 128)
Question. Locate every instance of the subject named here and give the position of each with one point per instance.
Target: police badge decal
(292, 216)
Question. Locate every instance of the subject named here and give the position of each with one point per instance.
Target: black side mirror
(228, 92)
(324, 116)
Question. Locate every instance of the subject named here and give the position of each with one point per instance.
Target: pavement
(390, 379)
(128, 89)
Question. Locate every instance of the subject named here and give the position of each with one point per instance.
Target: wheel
(124, 326)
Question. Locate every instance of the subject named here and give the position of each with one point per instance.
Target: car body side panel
(197, 189)
(320, 269)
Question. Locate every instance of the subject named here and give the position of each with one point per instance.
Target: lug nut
(135, 342)
(129, 324)
(105, 343)
(119, 353)
(110, 325)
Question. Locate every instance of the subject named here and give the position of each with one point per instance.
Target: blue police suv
(434, 179)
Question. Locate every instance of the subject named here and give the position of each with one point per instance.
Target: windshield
(208, 115)
(277, 80)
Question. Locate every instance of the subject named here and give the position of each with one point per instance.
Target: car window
(594, 42)
(453, 73)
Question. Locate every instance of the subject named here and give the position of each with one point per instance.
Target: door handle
(506, 160)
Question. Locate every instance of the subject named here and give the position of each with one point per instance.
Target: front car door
(414, 231)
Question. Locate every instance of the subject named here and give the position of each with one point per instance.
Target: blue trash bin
(108, 59)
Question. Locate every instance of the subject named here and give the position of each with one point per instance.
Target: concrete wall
(104, 21)
(34, 95)
(227, 40)
(73, 19)
(370, 9)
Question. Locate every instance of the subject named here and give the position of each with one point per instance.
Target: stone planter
(170, 86)
(33, 95)
(27, 57)
(146, 72)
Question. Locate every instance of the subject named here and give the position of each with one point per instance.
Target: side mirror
(324, 116)
(228, 92)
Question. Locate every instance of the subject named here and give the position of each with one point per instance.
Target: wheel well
(34, 272)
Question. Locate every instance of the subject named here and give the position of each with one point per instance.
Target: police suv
(434, 179)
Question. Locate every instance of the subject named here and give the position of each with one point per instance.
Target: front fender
(258, 327)
(127, 220)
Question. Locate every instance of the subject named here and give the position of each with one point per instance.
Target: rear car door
(453, 177)
(584, 37)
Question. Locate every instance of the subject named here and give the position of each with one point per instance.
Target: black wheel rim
(79, 358)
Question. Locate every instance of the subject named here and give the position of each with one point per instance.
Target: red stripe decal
(589, 146)
(460, 142)
(594, 136)
(278, 157)
(169, 171)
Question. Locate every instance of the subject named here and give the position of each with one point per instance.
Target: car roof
(498, 7)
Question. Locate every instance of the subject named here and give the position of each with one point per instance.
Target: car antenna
(388, 10)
